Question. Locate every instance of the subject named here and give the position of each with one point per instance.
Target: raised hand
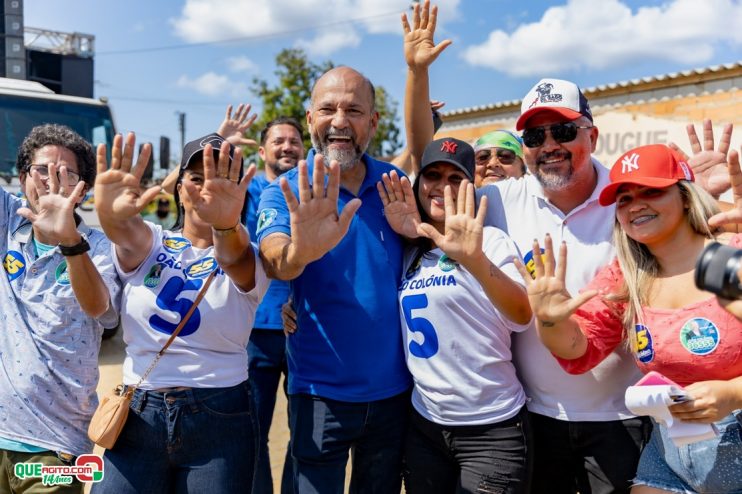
(315, 225)
(54, 217)
(547, 290)
(734, 215)
(233, 127)
(709, 165)
(419, 48)
(222, 195)
(400, 207)
(462, 236)
(118, 194)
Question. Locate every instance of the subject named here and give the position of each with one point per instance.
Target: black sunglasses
(504, 156)
(561, 132)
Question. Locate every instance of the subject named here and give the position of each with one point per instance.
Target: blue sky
(501, 48)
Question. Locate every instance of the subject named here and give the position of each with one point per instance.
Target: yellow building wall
(721, 107)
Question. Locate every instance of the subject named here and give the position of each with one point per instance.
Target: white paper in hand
(653, 400)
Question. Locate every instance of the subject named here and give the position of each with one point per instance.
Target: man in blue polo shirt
(281, 147)
(348, 383)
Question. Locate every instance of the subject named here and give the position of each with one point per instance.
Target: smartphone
(654, 378)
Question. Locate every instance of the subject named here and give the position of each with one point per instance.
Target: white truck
(25, 104)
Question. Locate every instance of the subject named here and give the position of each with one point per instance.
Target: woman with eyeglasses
(647, 300)
(191, 425)
(460, 303)
(498, 156)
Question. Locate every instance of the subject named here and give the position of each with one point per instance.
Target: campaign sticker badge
(175, 244)
(14, 264)
(153, 276)
(61, 274)
(446, 264)
(265, 218)
(530, 263)
(699, 336)
(643, 344)
(201, 268)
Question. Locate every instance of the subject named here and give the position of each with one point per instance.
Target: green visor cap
(500, 139)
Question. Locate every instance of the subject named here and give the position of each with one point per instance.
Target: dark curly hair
(58, 135)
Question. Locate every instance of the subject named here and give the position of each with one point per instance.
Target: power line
(163, 101)
(244, 38)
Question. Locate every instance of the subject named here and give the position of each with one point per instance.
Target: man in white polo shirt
(586, 440)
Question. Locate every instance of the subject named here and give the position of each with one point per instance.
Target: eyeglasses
(561, 132)
(43, 170)
(504, 156)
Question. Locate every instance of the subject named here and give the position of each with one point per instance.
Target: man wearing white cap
(586, 440)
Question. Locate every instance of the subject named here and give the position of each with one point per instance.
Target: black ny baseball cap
(450, 150)
(195, 148)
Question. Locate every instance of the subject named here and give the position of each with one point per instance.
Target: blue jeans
(450, 459)
(195, 440)
(323, 431)
(266, 356)
(586, 457)
(713, 465)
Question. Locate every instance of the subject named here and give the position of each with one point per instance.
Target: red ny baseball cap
(654, 165)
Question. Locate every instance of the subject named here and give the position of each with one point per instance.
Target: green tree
(290, 95)
(386, 141)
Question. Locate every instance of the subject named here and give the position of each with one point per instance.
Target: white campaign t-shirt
(520, 208)
(457, 345)
(211, 350)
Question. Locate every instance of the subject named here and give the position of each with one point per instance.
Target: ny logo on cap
(630, 163)
(449, 147)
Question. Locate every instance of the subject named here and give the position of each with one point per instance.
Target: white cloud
(241, 64)
(329, 41)
(597, 35)
(205, 20)
(212, 84)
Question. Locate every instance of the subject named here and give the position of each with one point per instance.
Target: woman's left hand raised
(463, 232)
(222, 194)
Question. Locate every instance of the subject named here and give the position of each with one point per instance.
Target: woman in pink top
(647, 300)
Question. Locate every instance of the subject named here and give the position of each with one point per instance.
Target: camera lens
(716, 270)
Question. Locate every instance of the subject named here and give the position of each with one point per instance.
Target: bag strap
(183, 322)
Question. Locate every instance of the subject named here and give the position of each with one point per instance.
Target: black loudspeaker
(63, 74)
(12, 50)
(164, 153)
(150, 164)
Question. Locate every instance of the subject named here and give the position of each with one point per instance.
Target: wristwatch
(75, 250)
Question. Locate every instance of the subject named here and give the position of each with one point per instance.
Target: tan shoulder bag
(110, 417)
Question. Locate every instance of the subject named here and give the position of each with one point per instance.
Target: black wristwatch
(75, 250)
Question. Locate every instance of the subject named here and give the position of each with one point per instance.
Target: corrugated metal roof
(607, 87)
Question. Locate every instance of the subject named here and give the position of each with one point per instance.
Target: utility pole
(181, 126)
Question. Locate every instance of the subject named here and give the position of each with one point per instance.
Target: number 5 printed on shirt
(168, 300)
(429, 346)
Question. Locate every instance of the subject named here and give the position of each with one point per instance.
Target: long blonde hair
(640, 268)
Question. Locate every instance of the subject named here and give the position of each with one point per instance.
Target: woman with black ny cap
(191, 426)
(460, 299)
